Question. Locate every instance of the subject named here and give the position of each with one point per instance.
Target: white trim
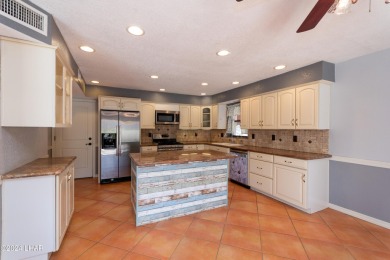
(361, 216)
(380, 164)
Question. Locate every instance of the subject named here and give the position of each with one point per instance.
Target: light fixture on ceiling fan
(324, 6)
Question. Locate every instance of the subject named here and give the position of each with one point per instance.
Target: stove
(165, 143)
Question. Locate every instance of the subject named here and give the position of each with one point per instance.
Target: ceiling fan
(321, 8)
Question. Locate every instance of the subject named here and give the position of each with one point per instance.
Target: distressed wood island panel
(161, 192)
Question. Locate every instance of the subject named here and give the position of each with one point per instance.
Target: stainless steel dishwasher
(239, 167)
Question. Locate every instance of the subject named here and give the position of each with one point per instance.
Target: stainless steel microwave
(164, 117)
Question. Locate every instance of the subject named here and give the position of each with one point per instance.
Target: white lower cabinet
(302, 183)
(36, 212)
(146, 149)
(219, 149)
(260, 183)
(261, 172)
(290, 185)
(65, 202)
(188, 147)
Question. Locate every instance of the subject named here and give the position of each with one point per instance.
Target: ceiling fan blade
(315, 15)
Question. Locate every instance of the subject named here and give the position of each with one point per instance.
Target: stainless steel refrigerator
(120, 135)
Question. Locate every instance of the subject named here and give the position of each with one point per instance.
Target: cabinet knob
(303, 178)
(292, 122)
(88, 144)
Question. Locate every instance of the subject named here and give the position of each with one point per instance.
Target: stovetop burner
(164, 143)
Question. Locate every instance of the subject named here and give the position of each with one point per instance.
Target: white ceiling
(182, 37)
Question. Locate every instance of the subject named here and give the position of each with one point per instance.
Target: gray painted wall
(360, 108)
(318, 71)
(360, 128)
(363, 189)
(27, 31)
(314, 72)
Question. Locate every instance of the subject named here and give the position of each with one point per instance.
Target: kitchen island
(177, 183)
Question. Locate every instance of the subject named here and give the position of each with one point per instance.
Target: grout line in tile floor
(269, 239)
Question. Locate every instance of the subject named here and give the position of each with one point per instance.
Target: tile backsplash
(314, 141)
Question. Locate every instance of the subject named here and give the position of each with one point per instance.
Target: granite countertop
(40, 167)
(177, 157)
(273, 151)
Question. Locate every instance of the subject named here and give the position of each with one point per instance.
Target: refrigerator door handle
(117, 140)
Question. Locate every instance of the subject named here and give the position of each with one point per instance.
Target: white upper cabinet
(245, 113)
(305, 107)
(189, 117)
(63, 92)
(28, 84)
(262, 111)
(254, 112)
(148, 116)
(120, 103)
(269, 111)
(206, 117)
(286, 109)
(218, 118)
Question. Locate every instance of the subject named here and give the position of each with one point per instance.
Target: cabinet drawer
(297, 163)
(260, 183)
(261, 156)
(219, 149)
(189, 147)
(261, 168)
(148, 149)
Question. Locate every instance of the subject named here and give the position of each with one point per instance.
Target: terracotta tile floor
(252, 227)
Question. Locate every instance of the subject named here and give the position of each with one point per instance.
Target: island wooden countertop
(40, 167)
(177, 157)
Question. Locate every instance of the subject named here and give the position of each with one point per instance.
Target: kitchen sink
(228, 144)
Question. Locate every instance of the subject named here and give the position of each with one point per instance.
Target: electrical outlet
(295, 138)
(221, 134)
(150, 134)
(196, 134)
(273, 137)
(253, 136)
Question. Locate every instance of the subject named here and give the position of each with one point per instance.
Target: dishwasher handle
(239, 153)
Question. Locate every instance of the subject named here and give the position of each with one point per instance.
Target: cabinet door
(206, 117)
(244, 107)
(185, 117)
(307, 107)
(110, 103)
(218, 117)
(130, 104)
(268, 111)
(255, 113)
(27, 84)
(195, 117)
(290, 185)
(286, 109)
(70, 194)
(147, 116)
(63, 205)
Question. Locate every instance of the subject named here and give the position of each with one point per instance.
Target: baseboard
(361, 216)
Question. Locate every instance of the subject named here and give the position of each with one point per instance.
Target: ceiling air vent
(25, 15)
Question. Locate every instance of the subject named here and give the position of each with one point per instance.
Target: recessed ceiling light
(162, 89)
(280, 67)
(235, 82)
(223, 53)
(203, 94)
(95, 82)
(205, 84)
(154, 77)
(86, 48)
(135, 30)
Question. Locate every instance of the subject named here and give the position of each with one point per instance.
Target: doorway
(80, 139)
